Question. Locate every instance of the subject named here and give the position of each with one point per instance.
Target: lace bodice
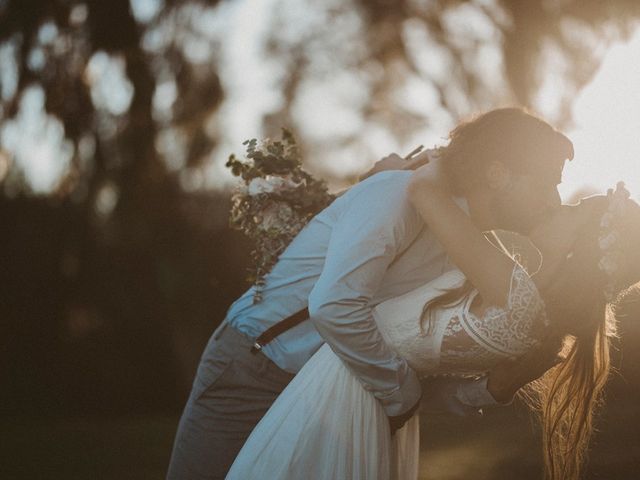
(459, 342)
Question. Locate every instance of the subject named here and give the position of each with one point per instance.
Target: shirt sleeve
(373, 227)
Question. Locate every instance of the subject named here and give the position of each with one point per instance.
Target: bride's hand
(394, 161)
(509, 376)
(413, 162)
(441, 396)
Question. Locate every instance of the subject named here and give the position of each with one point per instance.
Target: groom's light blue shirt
(369, 245)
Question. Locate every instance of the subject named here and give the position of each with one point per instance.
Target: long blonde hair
(566, 399)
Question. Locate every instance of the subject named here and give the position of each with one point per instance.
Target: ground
(502, 445)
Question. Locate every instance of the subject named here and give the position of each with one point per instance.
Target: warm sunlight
(607, 125)
(221, 258)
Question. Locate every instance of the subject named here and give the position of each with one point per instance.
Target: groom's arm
(375, 225)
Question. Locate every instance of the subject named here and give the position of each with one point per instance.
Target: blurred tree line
(113, 279)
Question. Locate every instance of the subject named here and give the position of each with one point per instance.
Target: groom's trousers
(232, 391)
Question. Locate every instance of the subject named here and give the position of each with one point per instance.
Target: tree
(467, 56)
(136, 87)
(130, 252)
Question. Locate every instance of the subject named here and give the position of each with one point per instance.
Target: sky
(607, 125)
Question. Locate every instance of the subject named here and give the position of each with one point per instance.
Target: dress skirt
(326, 426)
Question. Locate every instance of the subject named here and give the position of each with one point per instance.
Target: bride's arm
(486, 267)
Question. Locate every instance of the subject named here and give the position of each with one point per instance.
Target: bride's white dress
(326, 426)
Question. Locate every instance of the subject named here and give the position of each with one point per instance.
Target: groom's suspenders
(299, 317)
(280, 327)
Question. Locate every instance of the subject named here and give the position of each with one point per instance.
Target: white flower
(608, 241)
(276, 216)
(606, 220)
(611, 255)
(283, 183)
(259, 185)
(608, 265)
(618, 199)
(271, 184)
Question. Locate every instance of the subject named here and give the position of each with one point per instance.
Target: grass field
(124, 448)
(502, 445)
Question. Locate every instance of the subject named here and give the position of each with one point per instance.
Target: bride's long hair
(567, 396)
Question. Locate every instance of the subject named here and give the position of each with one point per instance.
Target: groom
(368, 246)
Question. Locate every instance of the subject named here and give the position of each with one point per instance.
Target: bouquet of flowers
(274, 202)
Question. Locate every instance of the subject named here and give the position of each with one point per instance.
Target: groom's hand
(509, 376)
(394, 161)
(390, 162)
(442, 395)
(420, 159)
(398, 421)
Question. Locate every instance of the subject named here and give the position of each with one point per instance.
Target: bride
(327, 425)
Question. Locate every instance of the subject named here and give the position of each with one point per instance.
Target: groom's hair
(523, 142)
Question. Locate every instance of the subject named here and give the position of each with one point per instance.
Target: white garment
(325, 425)
(368, 246)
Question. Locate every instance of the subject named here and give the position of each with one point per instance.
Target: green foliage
(280, 157)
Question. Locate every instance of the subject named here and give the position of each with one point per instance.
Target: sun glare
(607, 125)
